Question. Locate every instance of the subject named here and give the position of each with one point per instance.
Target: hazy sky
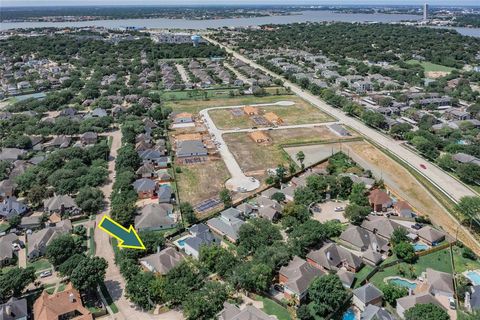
(218, 2)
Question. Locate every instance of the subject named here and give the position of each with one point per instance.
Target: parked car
(417, 226)
(45, 274)
(339, 209)
(452, 304)
(278, 287)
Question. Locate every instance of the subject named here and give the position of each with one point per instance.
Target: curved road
(453, 188)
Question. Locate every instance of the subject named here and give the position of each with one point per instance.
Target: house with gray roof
(10, 207)
(200, 236)
(97, 113)
(155, 216)
(346, 277)
(367, 294)
(232, 312)
(373, 312)
(164, 193)
(38, 241)
(440, 283)
(227, 224)
(7, 252)
(145, 188)
(333, 257)
(431, 236)
(472, 299)
(381, 226)
(296, 277)
(61, 141)
(362, 239)
(31, 222)
(162, 262)
(14, 309)
(408, 302)
(466, 158)
(147, 170)
(191, 148)
(61, 204)
(7, 188)
(152, 156)
(11, 154)
(89, 138)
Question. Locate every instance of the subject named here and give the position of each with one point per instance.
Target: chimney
(8, 310)
(71, 297)
(329, 256)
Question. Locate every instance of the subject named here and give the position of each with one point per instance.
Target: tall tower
(425, 11)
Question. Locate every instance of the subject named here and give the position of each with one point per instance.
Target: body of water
(304, 16)
(163, 23)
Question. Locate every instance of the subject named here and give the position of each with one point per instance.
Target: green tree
(345, 185)
(151, 240)
(280, 173)
(205, 303)
(89, 273)
(251, 276)
(399, 235)
(226, 198)
(141, 290)
(301, 158)
(356, 214)
(256, 233)
(14, 221)
(90, 200)
(61, 248)
(392, 292)
(427, 311)
(216, 259)
(327, 293)
(446, 162)
(359, 195)
(278, 196)
(405, 251)
(188, 214)
(14, 281)
(469, 208)
(67, 267)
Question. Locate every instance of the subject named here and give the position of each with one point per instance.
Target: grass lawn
(439, 261)
(301, 112)
(4, 226)
(40, 264)
(462, 264)
(272, 308)
(108, 298)
(91, 240)
(431, 67)
(201, 181)
(61, 287)
(194, 106)
(362, 274)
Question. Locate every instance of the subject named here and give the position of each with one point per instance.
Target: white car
(45, 274)
(339, 209)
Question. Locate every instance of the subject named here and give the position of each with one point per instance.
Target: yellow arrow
(128, 238)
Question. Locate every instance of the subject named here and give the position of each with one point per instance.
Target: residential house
(227, 224)
(269, 213)
(200, 236)
(61, 204)
(440, 283)
(162, 262)
(7, 252)
(191, 148)
(155, 216)
(7, 188)
(89, 138)
(61, 305)
(164, 193)
(466, 158)
(408, 302)
(152, 156)
(10, 207)
(147, 170)
(232, 312)
(97, 113)
(145, 188)
(403, 209)
(14, 309)
(61, 141)
(11, 154)
(346, 277)
(370, 244)
(32, 222)
(333, 257)
(373, 312)
(472, 299)
(366, 295)
(455, 114)
(296, 277)
(431, 236)
(381, 226)
(379, 200)
(38, 241)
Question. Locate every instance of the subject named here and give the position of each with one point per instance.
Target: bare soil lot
(201, 181)
(300, 113)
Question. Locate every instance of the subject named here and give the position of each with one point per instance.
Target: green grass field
(462, 264)
(272, 308)
(431, 67)
(40, 264)
(439, 261)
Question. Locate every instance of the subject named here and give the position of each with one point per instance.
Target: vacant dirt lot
(257, 158)
(201, 181)
(300, 113)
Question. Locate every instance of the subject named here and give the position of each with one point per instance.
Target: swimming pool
(349, 315)
(181, 243)
(474, 276)
(420, 247)
(403, 283)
